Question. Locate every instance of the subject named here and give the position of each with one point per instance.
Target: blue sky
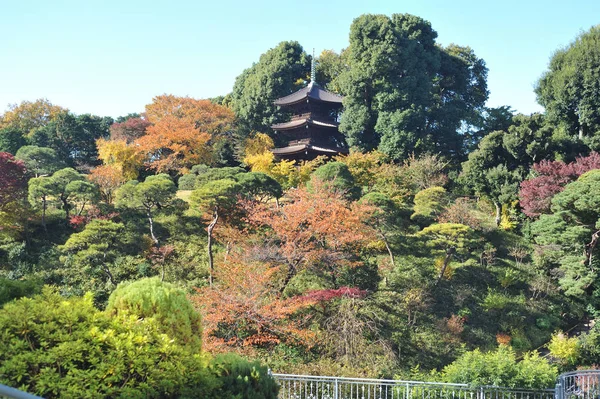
(109, 57)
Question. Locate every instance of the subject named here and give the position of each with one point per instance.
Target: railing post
(335, 389)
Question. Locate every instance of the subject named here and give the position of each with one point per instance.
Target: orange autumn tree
(108, 178)
(243, 311)
(181, 132)
(319, 228)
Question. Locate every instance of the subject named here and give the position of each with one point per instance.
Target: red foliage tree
(130, 130)
(12, 179)
(318, 228)
(244, 311)
(536, 194)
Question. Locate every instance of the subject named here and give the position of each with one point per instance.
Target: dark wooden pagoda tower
(313, 129)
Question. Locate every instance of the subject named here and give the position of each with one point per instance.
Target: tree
(73, 137)
(384, 219)
(64, 188)
(405, 94)
(216, 197)
(129, 130)
(155, 193)
(244, 310)
(40, 161)
(488, 121)
(319, 229)
(363, 167)
(181, 132)
(569, 236)
(41, 190)
(108, 179)
(429, 204)
(569, 89)
(29, 116)
(12, 179)
(335, 176)
(122, 156)
(82, 193)
(279, 72)
(451, 240)
(11, 139)
(492, 172)
(93, 251)
(536, 193)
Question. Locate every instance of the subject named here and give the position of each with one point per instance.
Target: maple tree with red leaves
(130, 130)
(12, 179)
(244, 311)
(318, 228)
(536, 194)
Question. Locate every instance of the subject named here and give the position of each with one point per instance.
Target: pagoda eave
(306, 148)
(310, 92)
(294, 124)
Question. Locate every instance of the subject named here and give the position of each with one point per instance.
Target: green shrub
(57, 347)
(164, 302)
(501, 368)
(14, 289)
(187, 182)
(242, 379)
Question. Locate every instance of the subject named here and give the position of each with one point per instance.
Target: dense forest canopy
(453, 237)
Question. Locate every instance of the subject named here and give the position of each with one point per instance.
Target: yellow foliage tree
(118, 154)
(258, 144)
(28, 115)
(364, 167)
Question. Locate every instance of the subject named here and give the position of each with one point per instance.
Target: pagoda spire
(313, 74)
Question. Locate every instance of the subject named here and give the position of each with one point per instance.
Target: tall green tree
(279, 72)
(570, 89)
(73, 137)
(568, 238)
(403, 92)
(11, 139)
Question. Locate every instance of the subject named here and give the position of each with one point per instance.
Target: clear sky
(110, 57)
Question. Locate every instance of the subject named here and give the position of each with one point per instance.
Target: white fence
(581, 384)
(319, 387)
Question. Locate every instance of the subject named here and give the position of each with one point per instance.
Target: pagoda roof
(300, 148)
(312, 91)
(296, 123)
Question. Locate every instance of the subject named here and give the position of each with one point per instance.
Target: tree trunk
(449, 253)
(210, 229)
(107, 270)
(66, 207)
(44, 206)
(154, 239)
(387, 246)
(589, 248)
(292, 270)
(498, 213)
(81, 210)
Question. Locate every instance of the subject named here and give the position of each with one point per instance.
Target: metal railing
(12, 393)
(318, 387)
(581, 384)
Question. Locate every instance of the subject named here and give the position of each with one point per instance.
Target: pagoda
(313, 128)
